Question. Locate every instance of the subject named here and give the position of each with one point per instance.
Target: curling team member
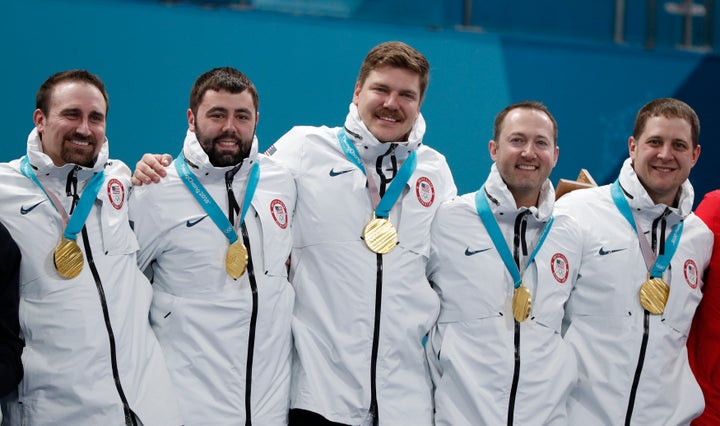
(503, 265)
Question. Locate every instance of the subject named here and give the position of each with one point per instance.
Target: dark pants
(308, 418)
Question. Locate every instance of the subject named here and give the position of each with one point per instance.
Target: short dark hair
(534, 105)
(668, 108)
(399, 55)
(217, 79)
(42, 98)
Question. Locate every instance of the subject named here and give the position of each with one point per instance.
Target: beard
(70, 154)
(220, 157)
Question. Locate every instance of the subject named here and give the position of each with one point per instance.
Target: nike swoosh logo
(333, 173)
(604, 252)
(470, 253)
(25, 211)
(191, 223)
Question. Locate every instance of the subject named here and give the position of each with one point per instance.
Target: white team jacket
(606, 323)
(204, 318)
(336, 276)
(472, 348)
(68, 358)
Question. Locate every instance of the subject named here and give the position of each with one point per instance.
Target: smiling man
(214, 237)
(90, 355)
(503, 266)
(367, 192)
(644, 254)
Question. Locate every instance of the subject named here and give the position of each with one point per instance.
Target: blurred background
(593, 63)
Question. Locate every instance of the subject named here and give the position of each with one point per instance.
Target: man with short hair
(367, 192)
(644, 254)
(214, 236)
(91, 357)
(503, 265)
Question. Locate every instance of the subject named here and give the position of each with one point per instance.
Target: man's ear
(191, 120)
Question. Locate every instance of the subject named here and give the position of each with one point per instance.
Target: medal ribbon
(656, 265)
(382, 208)
(76, 221)
(483, 210)
(209, 205)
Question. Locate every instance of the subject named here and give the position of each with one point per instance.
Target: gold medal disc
(380, 235)
(236, 259)
(522, 302)
(654, 295)
(68, 258)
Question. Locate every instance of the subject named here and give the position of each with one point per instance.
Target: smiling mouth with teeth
(390, 119)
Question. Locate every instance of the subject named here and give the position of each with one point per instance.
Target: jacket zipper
(233, 211)
(646, 319)
(376, 341)
(71, 189)
(253, 325)
(384, 181)
(519, 244)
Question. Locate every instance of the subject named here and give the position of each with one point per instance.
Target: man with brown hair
(215, 235)
(90, 355)
(367, 192)
(644, 254)
(503, 265)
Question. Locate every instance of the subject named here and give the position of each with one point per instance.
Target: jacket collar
(640, 200)
(503, 204)
(44, 166)
(199, 161)
(370, 148)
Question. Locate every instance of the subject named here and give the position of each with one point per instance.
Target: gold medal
(380, 235)
(68, 258)
(654, 295)
(522, 302)
(236, 259)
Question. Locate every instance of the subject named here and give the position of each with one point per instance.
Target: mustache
(394, 114)
(83, 138)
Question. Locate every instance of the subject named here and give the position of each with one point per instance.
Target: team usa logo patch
(691, 273)
(116, 193)
(279, 213)
(425, 191)
(559, 267)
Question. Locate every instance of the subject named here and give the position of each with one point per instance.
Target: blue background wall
(305, 67)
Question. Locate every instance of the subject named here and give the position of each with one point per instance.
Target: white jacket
(77, 331)
(472, 348)
(203, 317)
(615, 341)
(337, 278)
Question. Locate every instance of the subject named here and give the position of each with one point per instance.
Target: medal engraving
(654, 295)
(68, 258)
(380, 236)
(236, 259)
(522, 302)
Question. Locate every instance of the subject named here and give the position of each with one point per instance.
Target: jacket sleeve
(704, 339)
(11, 344)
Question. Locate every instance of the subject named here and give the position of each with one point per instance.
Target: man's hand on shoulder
(151, 168)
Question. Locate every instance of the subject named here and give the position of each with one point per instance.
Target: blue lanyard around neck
(491, 225)
(662, 261)
(83, 207)
(388, 200)
(209, 205)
